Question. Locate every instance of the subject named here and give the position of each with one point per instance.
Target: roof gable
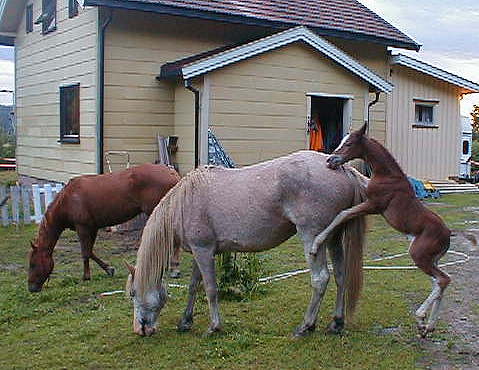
(341, 18)
(206, 62)
(405, 61)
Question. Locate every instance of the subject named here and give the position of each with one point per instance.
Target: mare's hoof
(214, 330)
(175, 274)
(110, 271)
(184, 325)
(336, 326)
(303, 331)
(86, 278)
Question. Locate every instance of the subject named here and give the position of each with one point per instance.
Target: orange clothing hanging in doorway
(316, 139)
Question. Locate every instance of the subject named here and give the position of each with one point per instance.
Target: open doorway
(328, 122)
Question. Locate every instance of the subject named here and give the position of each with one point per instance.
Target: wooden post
(27, 217)
(48, 195)
(15, 198)
(37, 204)
(4, 210)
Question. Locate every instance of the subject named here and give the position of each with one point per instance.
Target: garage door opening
(328, 121)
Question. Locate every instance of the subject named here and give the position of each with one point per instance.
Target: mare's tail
(353, 235)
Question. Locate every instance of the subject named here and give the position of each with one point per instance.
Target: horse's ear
(362, 131)
(130, 268)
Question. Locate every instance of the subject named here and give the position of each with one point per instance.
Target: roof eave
(10, 15)
(230, 18)
(468, 87)
(251, 49)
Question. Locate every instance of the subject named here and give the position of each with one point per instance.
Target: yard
(69, 325)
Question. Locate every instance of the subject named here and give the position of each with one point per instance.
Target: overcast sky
(447, 29)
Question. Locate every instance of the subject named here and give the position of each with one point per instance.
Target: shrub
(238, 275)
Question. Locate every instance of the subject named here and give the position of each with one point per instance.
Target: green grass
(69, 325)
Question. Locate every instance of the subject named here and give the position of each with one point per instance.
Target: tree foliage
(475, 121)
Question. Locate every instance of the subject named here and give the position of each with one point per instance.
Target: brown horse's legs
(425, 253)
(343, 216)
(87, 240)
(186, 322)
(107, 268)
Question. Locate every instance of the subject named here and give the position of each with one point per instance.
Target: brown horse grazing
(88, 203)
(390, 194)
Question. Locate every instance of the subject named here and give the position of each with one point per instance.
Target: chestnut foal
(390, 194)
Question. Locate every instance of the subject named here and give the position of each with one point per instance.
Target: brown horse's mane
(50, 227)
(380, 158)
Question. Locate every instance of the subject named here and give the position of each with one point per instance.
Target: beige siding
(43, 64)
(375, 57)
(427, 153)
(137, 106)
(258, 106)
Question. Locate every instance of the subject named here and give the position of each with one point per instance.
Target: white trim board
(435, 72)
(278, 40)
(325, 95)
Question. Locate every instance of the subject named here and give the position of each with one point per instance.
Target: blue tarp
(421, 191)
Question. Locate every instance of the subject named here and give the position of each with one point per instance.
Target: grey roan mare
(251, 209)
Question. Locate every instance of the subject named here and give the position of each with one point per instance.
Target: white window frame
(429, 103)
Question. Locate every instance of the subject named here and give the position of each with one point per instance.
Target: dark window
(424, 114)
(48, 19)
(465, 147)
(70, 114)
(72, 8)
(29, 19)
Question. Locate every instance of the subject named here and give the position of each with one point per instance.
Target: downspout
(367, 167)
(371, 103)
(197, 120)
(102, 25)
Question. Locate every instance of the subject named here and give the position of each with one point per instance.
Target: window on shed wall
(29, 19)
(70, 114)
(424, 113)
(48, 19)
(72, 8)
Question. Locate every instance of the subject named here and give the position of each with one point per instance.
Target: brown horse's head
(352, 146)
(40, 267)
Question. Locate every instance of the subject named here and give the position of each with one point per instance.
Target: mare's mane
(163, 229)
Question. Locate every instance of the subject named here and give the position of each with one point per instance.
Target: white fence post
(37, 204)
(42, 196)
(15, 198)
(4, 209)
(27, 217)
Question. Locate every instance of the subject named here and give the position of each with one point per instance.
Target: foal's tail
(353, 233)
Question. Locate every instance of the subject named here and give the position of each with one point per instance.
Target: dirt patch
(459, 348)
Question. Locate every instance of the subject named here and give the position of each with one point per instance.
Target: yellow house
(95, 76)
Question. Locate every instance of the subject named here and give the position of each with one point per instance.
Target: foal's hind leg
(426, 252)
(186, 321)
(319, 281)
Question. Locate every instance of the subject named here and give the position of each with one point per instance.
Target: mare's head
(353, 146)
(147, 302)
(40, 267)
